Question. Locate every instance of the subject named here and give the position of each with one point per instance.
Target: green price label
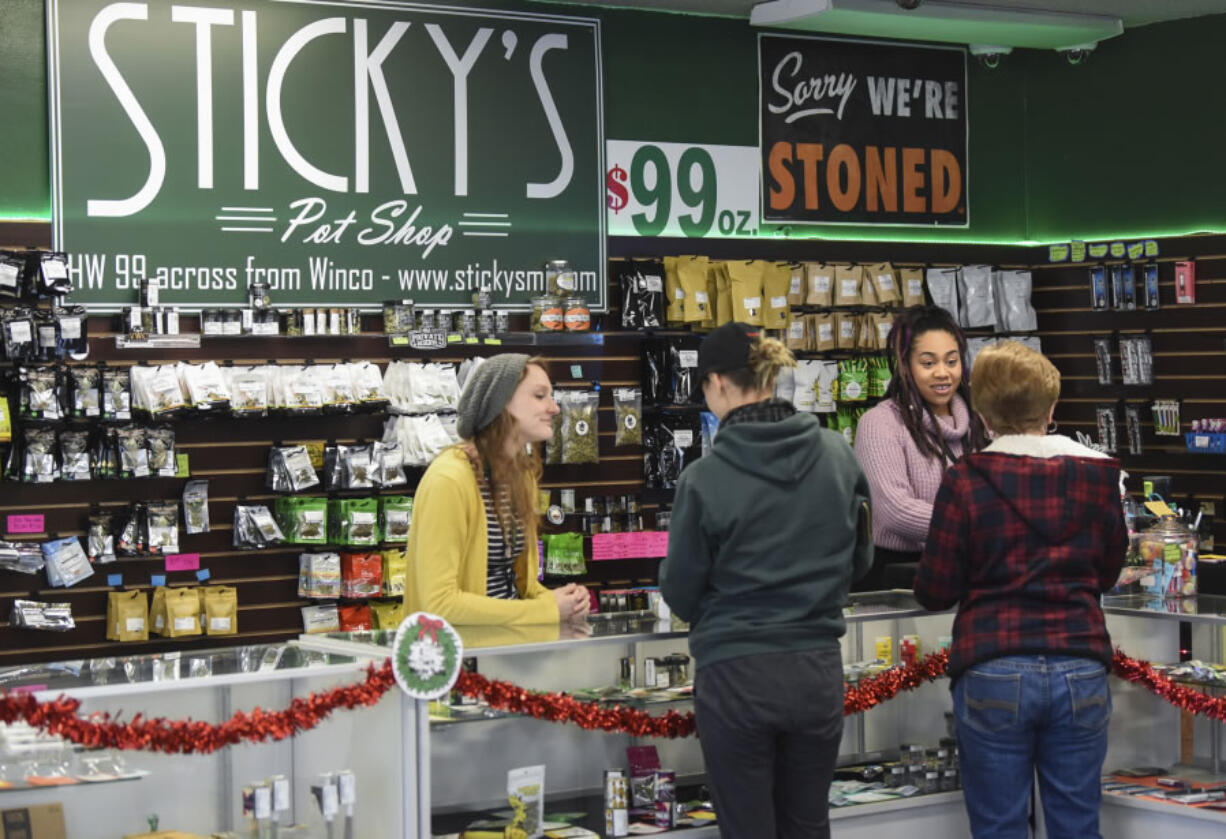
(1136, 250)
(1099, 251)
(1078, 251)
(1117, 250)
(1171, 554)
(1058, 253)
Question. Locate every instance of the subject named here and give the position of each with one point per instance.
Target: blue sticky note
(114, 579)
(202, 574)
(157, 579)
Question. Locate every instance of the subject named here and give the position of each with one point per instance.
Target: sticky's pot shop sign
(861, 132)
(341, 152)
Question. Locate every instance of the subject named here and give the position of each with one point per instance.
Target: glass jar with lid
(577, 317)
(547, 314)
(1168, 550)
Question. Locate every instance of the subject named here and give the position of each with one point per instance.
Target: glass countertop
(175, 670)
(1203, 608)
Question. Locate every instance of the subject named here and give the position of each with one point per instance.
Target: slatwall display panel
(232, 455)
(1189, 349)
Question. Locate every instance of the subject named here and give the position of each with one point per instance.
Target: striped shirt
(500, 578)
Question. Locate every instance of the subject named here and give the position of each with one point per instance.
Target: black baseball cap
(726, 348)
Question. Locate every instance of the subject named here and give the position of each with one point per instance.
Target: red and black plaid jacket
(1024, 546)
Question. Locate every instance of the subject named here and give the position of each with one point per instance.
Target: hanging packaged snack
(220, 610)
(84, 384)
(797, 336)
(714, 272)
(304, 521)
(50, 275)
(388, 466)
(553, 446)
(19, 335)
(162, 520)
(674, 294)
(196, 507)
(255, 527)
(819, 284)
(1149, 287)
(628, 414)
(34, 614)
(290, 469)
(367, 384)
(776, 285)
(356, 521)
(320, 619)
(74, 456)
(911, 286)
(395, 517)
(943, 289)
(127, 616)
(683, 374)
(130, 539)
(846, 330)
(564, 554)
(354, 617)
(12, 266)
(319, 575)
(133, 452)
(100, 538)
(1102, 359)
(116, 393)
(157, 391)
(41, 397)
(66, 562)
(1107, 420)
(884, 280)
(361, 575)
(1132, 419)
(386, 615)
(395, 565)
(39, 463)
(1098, 288)
(847, 285)
(977, 303)
(160, 441)
(579, 428)
(1015, 311)
(696, 302)
(747, 290)
(182, 612)
(878, 375)
(853, 380)
(796, 283)
(47, 336)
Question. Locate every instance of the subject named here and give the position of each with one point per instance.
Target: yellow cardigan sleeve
(447, 562)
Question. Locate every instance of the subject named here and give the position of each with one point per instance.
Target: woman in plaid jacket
(1025, 536)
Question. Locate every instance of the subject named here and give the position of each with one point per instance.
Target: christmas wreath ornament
(426, 656)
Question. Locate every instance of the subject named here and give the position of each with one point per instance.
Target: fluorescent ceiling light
(933, 20)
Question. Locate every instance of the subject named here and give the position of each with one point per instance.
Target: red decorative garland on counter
(59, 716)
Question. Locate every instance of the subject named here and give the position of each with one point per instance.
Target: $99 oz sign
(340, 152)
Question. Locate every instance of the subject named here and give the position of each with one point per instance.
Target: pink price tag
(645, 544)
(26, 524)
(182, 562)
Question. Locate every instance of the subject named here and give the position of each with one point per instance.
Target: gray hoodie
(767, 533)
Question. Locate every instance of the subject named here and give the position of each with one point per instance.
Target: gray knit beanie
(488, 390)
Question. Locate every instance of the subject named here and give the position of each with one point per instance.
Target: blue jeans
(1022, 715)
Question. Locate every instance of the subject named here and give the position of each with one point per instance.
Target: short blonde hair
(1013, 388)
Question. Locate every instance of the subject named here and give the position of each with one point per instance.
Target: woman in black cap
(767, 532)
(472, 556)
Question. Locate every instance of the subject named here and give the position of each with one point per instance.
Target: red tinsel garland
(59, 717)
(1181, 696)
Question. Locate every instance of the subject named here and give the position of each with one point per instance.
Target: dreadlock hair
(917, 415)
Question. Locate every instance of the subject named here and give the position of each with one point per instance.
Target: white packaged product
(943, 288)
(976, 302)
(1016, 312)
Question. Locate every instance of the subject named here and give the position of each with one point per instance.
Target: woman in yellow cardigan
(472, 554)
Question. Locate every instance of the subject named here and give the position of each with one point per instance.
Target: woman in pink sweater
(907, 441)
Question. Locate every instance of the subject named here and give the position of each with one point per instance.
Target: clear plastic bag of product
(683, 371)
(553, 446)
(41, 397)
(367, 384)
(19, 335)
(628, 414)
(51, 275)
(205, 386)
(255, 527)
(160, 441)
(33, 614)
(196, 507)
(156, 390)
(66, 562)
(388, 470)
(12, 267)
(100, 538)
(977, 303)
(250, 393)
(358, 466)
(162, 521)
(290, 469)
(130, 538)
(85, 386)
(39, 464)
(133, 452)
(116, 393)
(72, 333)
(74, 456)
(580, 443)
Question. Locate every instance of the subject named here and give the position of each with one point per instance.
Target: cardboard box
(41, 821)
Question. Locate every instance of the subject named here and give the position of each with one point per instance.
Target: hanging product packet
(12, 266)
(40, 393)
(160, 443)
(824, 336)
(747, 290)
(819, 284)
(386, 615)
(322, 618)
(911, 286)
(628, 415)
(827, 386)
(395, 516)
(553, 446)
(714, 272)
(354, 617)
(847, 285)
(564, 554)
(683, 374)
(219, 610)
(131, 538)
(776, 283)
(579, 430)
(395, 565)
(34, 614)
(162, 521)
(692, 274)
(182, 613)
(853, 380)
(796, 284)
(319, 575)
(361, 575)
(85, 386)
(50, 277)
(977, 304)
(127, 616)
(356, 520)
(804, 390)
(884, 281)
(196, 506)
(66, 562)
(116, 393)
(255, 527)
(943, 288)
(156, 390)
(20, 342)
(846, 330)
(878, 375)
(99, 538)
(526, 791)
(40, 466)
(133, 452)
(250, 393)
(205, 386)
(74, 456)
(797, 335)
(304, 521)
(673, 292)
(1013, 292)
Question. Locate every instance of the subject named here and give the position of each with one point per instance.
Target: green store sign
(344, 153)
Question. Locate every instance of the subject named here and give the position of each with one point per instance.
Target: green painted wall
(1126, 143)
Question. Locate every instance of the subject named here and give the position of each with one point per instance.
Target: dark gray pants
(770, 727)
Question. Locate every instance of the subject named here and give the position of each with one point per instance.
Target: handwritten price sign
(671, 189)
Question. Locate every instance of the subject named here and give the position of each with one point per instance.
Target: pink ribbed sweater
(903, 481)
